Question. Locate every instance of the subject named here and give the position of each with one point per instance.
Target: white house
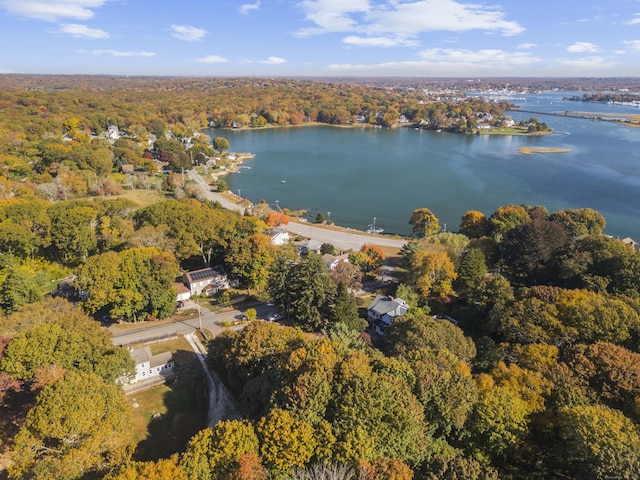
(383, 311)
(197, 280)
(279, 237)
(149, 366)
(182, 292)
(332, 261)
(113, 133)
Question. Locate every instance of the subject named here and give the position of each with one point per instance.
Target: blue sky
(322, 37)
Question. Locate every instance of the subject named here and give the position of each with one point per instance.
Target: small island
(532, 150)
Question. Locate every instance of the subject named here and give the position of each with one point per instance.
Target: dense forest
(518, 358)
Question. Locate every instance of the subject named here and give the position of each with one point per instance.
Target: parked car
(275, 316)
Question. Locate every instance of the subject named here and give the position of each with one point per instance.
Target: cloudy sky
(322, 37)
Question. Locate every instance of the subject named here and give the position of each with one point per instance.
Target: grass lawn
(180, 403)
(143, 198)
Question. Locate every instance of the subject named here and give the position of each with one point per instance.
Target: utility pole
(199, 315)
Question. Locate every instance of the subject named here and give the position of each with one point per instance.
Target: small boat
(283, 181)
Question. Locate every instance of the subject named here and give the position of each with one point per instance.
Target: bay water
(355, 174)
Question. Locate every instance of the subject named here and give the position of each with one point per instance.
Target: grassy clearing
(531, 150)
(143, 198)
(178, 405)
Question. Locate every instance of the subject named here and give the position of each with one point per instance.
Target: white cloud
(634, 21)
(585, 63)
(53, 10)
(488, 57)
(6, 70)
(633, 45)
(248, 7)
(211, 59)
(379, 41)
(525, 46)
(583, 47)
(118, 53)
(82, 31)
(447, 62)
(187, 33)
(273, 61)
(402, 19)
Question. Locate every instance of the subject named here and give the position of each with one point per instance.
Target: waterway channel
(355, 174)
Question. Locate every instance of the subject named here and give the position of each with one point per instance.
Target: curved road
(322, 234)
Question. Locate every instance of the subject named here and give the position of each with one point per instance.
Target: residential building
(383, 311)
(149, 366)
(197, 280)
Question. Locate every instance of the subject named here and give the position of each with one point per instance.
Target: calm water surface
(360, 173)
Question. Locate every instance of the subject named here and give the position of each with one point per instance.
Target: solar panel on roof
(201, 274)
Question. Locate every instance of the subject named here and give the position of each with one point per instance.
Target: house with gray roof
(149, 366)
(383, 311)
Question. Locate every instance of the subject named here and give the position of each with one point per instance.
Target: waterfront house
(383, 311)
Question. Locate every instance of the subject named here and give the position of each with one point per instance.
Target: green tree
(80, 424)
(72, 230)
(250, 259)
(472, 268)
(584, 221)
(220, 144)
(17, 289)
(73, 342)
(507, 217)
(424, 222)
(410, 334)
(304, 290)
(345, 310)
(596, 442)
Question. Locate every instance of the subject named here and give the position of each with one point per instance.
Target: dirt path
(222, 406)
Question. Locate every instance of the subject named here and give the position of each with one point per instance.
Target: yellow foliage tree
(434, 272)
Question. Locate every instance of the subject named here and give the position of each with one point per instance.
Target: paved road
(341, 239)
(128, 334)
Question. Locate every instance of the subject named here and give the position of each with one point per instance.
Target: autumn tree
(162, 469)
(474, 224)
(369, 258)
(214, 452)
(80, 424)
(580, 222)
(73, 342)
(275, 219)
(433, 272)
(596, 442)
(424, 222)
(285, 443)
(507, 217)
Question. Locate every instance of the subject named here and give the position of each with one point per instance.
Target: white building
(149, 366)
(383, 311)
